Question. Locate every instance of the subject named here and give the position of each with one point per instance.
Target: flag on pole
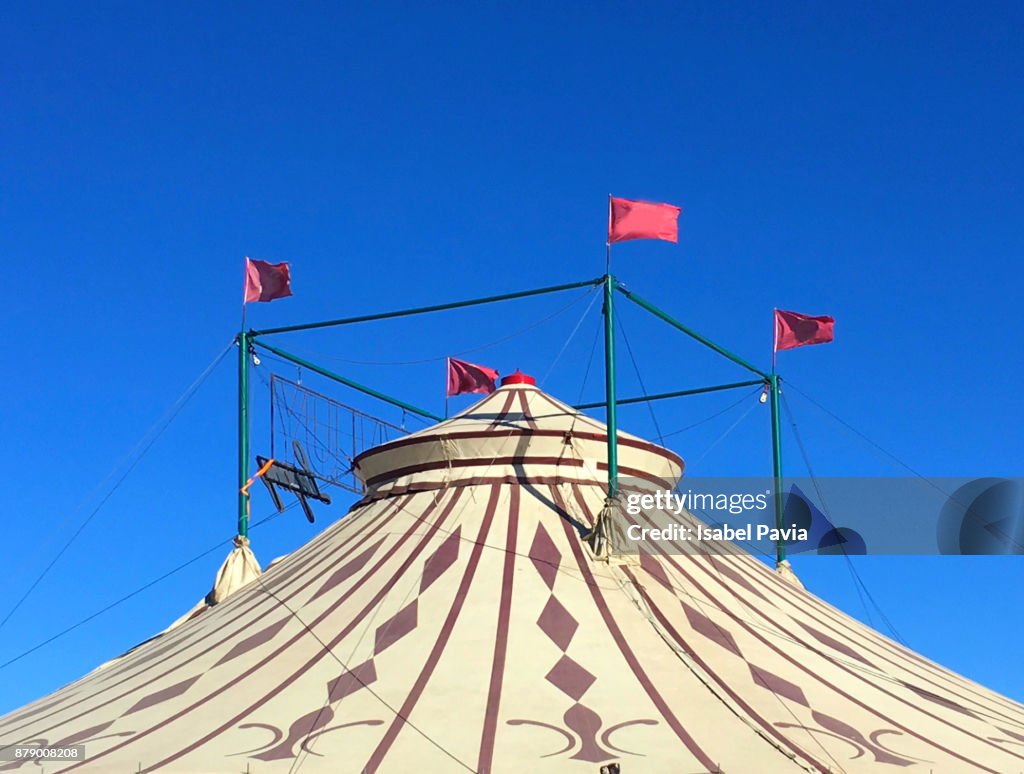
(466, 377)
(266, 281)
(797, 330)
(628, 219)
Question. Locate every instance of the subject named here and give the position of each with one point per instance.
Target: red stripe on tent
(501, 638)
(469, 463)
(502, 415)
(525, 406)
(460, 435)
(377, 757)
(627, 652)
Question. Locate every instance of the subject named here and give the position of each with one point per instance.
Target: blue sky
(835, 159)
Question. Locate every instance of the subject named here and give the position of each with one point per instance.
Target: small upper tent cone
(455, 620)
(518, 433)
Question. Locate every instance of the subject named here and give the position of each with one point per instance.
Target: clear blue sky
(837, 159)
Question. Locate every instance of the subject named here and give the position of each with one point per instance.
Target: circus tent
(457, 620)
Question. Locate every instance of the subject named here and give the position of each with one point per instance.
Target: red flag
(628, 219)
(797, 330)
(466, 377)
(266, 281)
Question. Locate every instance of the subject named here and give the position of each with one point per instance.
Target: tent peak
(518, 378)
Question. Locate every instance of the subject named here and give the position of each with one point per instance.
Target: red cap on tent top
(518, 378)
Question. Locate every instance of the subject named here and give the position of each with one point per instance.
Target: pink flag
(628, 219)
(797, 330)
(466, 377)
(266, 281)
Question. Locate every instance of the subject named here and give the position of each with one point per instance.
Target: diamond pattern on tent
(162, 695)
(396, 627)
(834, 644)
(350, 682)
(704, 625)
(264, 635)
(1013, 734)
(400, 624)
(778, 685)
(722, 566)
(545, 556)
(700, 623)
(557, 623)
(570, 678)
(443, 558)
(941, 700)
(654, 568)
(348, 569)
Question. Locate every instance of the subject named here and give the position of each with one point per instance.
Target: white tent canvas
(455, 620)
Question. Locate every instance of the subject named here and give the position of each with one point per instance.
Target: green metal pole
(243, 432)
(609, 385)
(427, 309)
(689, 331)
(341, 379)
(677, 394)
(780, 545)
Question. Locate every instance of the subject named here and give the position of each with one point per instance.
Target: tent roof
(454, 620)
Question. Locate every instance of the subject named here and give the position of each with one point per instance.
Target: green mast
(609, 385)
(243, 432)
(773, 385)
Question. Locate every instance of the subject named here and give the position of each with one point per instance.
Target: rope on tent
(884, 453)
(717, 414)
(579, 399)
(590, 362)
(220, 545)
(859, 583)
(133, 458)
(365, 685)
(139, 590)
(640, 379)
(824, 505)
(569, 340)
(887, 454)
(478, 348)
(728, 431)
(309, 740)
